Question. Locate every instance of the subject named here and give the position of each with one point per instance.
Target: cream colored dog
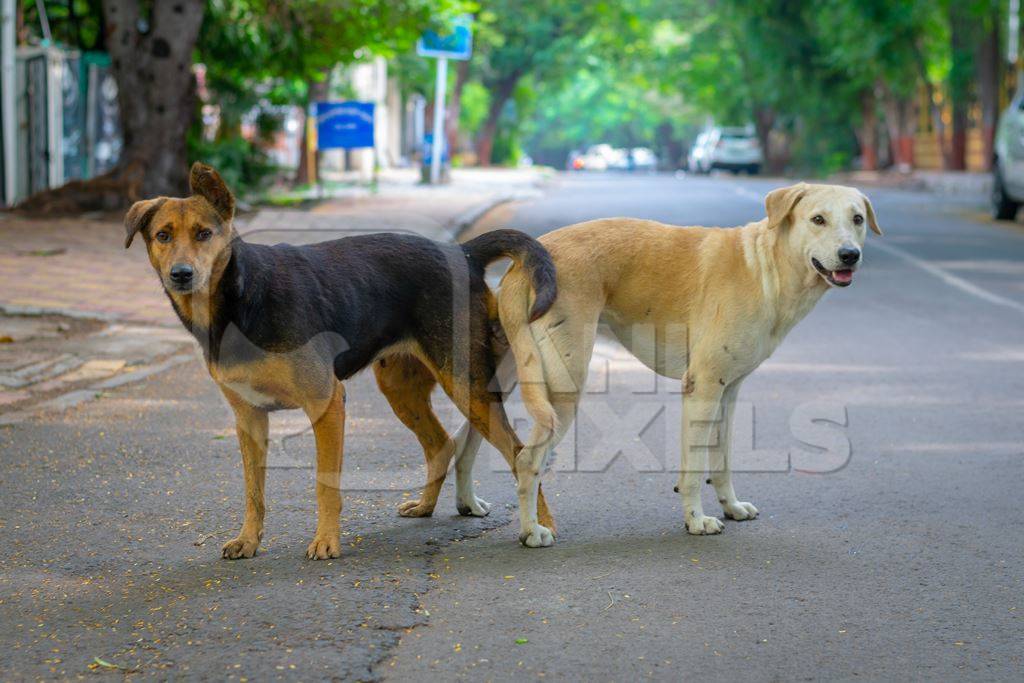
(719, 300)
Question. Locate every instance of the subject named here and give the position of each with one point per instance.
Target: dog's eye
(163, 236)
(204, 235)
(858, 219)
(818, 220)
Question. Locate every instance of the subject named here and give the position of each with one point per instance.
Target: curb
(10, 309)
(468, 218)
(454, 229)
(94, 391)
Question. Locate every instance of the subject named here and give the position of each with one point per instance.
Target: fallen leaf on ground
(98, 663)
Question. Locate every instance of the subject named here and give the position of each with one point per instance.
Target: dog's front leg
(328, 420)
(721, 464)
(702, 396)
(251, 424)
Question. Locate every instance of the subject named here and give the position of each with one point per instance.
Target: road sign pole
(438, 142)
(8, 102)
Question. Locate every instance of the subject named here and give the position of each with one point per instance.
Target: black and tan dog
(281, 327)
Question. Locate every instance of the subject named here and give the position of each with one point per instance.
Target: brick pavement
(79, 265)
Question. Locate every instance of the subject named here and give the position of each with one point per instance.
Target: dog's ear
(208, 184)
(779, 203)
(872, 221)
(139, 216)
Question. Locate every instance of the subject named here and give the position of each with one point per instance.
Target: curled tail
(534, 270)
(528, 253)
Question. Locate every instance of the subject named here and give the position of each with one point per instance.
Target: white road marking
(930, 268)
(950, 279)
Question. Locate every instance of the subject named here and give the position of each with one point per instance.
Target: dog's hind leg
(534, 531)
(487, 418)
(566, 347)
(406, 383)
(467, 443)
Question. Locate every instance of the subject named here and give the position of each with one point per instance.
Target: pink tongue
(842, 275)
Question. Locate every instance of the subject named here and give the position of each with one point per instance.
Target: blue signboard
(344, 125)
(455, 45)
(428, 149)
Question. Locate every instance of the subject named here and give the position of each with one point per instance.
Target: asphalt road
(882, 444)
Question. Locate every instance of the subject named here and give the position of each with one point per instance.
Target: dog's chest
(261, 385)
(252, 395)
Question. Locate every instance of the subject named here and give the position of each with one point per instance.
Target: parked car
(642, 159)
(1008, 164)
(596, 158)
(604, 157)
(730, 149)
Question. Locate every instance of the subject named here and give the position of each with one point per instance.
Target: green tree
(516, 39)
(243, 43)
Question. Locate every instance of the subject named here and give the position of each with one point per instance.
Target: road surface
(882, 444)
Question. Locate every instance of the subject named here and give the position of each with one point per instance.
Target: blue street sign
(344, 125)
(455, 45)
(428, 149)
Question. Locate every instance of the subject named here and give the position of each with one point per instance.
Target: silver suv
(1008, 164)
(730, 149)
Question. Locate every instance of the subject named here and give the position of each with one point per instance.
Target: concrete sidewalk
(968, 184)
(61, 271)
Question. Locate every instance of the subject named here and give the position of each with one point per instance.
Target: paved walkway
(79, 265)
(78, 268)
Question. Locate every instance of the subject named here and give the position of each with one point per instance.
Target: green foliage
(244, 167)
(476, 100)
(650, 72)
(73, 23)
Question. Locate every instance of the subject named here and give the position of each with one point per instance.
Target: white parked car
(1008, 164)
(730, 149)
(642, 159)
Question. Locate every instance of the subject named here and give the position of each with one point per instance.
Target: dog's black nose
(181, 273)
(849, 255)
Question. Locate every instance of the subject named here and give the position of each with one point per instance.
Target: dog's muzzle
(181, 277)
(842, 277)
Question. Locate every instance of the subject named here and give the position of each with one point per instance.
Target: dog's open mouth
(837, 278)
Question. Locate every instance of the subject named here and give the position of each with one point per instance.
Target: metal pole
(439, 88)
(7, 98)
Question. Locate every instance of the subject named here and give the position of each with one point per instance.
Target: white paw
(740, 511)
(476, 507)
(538, 537)
(702, 525)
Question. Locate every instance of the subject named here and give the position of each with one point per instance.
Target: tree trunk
(960, 77)
(764, 121)
(454, 109)
(156, 103)
(156, 89)
(901, 121)
(500, 95)
(868, 133)
(987, 61)
(669, 149)
(316, 91)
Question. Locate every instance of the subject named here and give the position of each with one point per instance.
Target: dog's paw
(476, 507)
(239, 548)
(415, 508)
(740, 511)
(704, 526)
(538, 537)
(324, 546)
